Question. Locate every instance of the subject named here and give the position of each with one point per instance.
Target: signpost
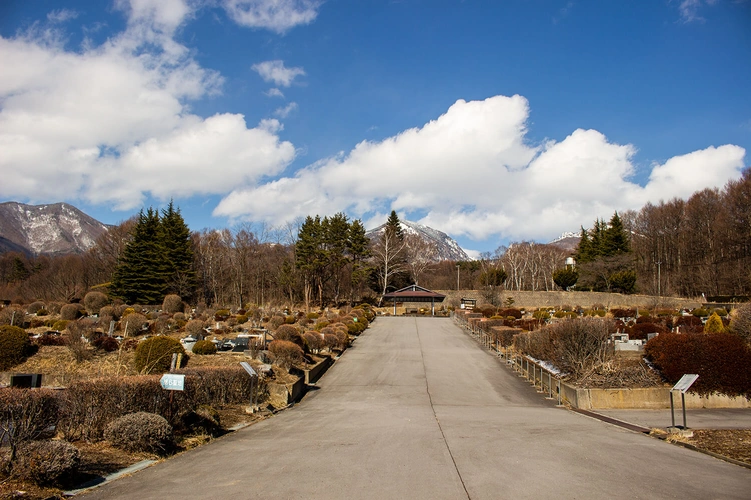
(246, 366)
(682, 385)
(172, 382)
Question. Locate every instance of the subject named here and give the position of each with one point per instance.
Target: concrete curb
(94, 483)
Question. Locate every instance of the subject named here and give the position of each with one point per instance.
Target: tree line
(675, 247)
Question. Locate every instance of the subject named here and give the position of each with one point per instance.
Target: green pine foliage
(156, 261)
(324, 248)
(394, 225)
(603, 257)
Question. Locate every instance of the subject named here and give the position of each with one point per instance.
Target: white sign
(685, 382)
(248, 368)
(172, 382)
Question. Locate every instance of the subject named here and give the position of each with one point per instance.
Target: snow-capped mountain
(446, 247)
(53, 229)
(568, 241)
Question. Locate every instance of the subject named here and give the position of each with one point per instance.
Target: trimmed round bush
(313, 340)
(15, 346)
(109, 312)
(95, 301)
(44, 462)
(133, 324)
(154, 355)
(35, 307)
(179, 316)
(140, 431)
(221, 315)
(70, 312)
(194, 327)
(286, 353)
(173, 304)
(289, 333)
(203, 347)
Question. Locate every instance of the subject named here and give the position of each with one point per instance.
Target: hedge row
(721, 360)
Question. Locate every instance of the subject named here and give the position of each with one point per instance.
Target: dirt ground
(731, 443)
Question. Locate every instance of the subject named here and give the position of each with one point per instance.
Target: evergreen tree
(178, 248)
(358, 246)
(157, 260)
(394, 226)
(142, 273)
(584, 252)
(310, 256)
(615, 240)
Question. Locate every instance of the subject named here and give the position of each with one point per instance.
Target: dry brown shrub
(286, 354)
(26, 415)
(94, 301)
(44, 462)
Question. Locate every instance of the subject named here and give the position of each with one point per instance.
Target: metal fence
(544, 381)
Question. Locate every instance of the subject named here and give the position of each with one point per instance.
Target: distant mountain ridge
(568, 241)
(447, 248)
(54, 229)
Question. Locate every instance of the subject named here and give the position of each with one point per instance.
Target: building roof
(414, 293)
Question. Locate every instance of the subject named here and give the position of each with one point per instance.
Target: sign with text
(685, 382)
(172, 382)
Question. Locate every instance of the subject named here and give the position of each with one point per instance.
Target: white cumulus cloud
(275, 15)
(276, 72)
(474, 173)
(112, 123)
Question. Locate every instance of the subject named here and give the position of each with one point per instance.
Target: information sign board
(685, 382)
(172, 382)
(248, 369)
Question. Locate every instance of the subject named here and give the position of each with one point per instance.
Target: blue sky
(491, 121)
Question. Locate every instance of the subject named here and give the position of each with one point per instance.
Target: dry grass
(60, 368)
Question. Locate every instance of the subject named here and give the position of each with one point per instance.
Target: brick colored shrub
(204, 347)
(154, 355)
(623, 313)
(35, 307)
(688, 324)
(94, 301)
(286, 353)
(106, 344)
(486, 310)
(44, 462)
(721, 360)
(289, 333)
(15, 346)
(141, 431)
(510, 311)
(640, 330)
(71, 312)
(26, 415)
(173, 304)
(54, 340)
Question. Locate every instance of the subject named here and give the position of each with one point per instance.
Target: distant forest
(675, 247)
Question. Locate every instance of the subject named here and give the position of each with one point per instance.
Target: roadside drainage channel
(613, 421)
(116, 475)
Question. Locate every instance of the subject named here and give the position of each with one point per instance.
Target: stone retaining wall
(558, 298)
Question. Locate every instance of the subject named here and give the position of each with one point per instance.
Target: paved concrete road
(417, 410)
